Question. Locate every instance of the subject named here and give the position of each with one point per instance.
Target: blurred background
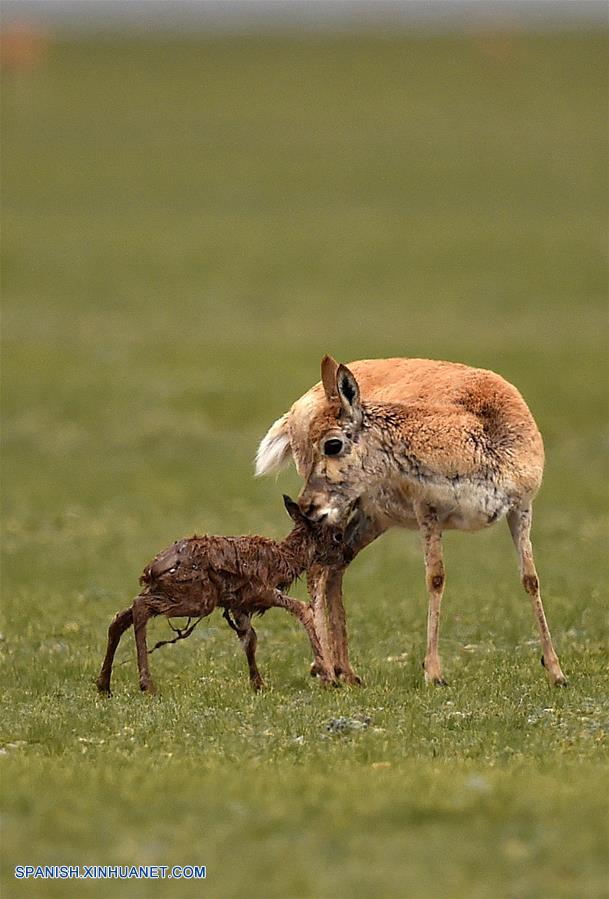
(200, 200)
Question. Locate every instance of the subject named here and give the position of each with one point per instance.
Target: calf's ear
(348, 394)
(329, 368)
(293, 509)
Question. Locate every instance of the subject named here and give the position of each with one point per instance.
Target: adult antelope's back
(420, 444)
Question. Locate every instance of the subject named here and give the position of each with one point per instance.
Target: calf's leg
(305, 616)
(118, 626)
(141, 613)
(249, 641)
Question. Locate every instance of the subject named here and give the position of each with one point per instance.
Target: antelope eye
(333, 447)
(337, 538)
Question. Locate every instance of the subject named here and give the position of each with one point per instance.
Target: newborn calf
(242, 575)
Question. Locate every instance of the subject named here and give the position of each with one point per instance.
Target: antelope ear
(329, 367)
(348, 393)
(292, 508)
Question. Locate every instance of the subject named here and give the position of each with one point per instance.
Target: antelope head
(344, 459)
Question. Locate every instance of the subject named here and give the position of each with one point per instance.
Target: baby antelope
(242, 575)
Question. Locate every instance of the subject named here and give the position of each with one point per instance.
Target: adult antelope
(418, 444)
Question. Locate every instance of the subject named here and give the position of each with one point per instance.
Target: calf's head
(326, 542)
(342, 462)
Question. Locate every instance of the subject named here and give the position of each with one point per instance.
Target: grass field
(187, 229)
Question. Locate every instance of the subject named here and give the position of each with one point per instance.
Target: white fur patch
(274, 451)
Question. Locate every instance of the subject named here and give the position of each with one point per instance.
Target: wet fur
(242, 575)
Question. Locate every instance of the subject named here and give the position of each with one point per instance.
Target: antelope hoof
(329, 679)
(258, 684)
(435, 680)
(557, 678)
(314, 670)
(350, 677)
(148, 688)
(104, 689)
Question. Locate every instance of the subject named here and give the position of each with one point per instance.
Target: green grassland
(188, 227)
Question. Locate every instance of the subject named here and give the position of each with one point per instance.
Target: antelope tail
(274, 451)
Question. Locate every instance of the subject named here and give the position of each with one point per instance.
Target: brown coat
(242, 575)
(420, 444)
